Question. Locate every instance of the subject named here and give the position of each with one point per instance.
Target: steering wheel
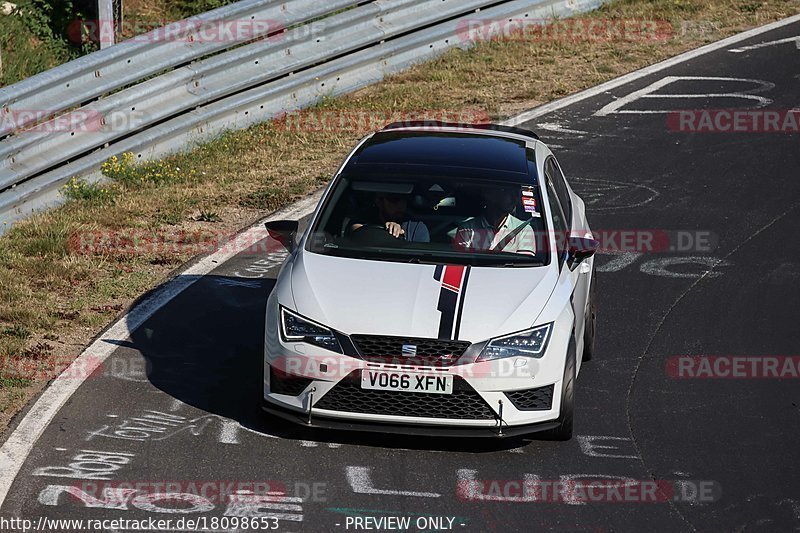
(375, 235)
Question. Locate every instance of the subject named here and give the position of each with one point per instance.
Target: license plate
(407, 382)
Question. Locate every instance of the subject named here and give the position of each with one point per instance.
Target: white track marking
(470, 488)
(16, 448)
(229, 432)
(605, 195)
(553, 126)
(795, 40)
(649, 92)
(602, 445)
(360, 481)
(621, 261)
(661, 267)
(638, 74)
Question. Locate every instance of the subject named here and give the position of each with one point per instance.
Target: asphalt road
(177, 401)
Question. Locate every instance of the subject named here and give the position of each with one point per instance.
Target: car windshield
(432, 220)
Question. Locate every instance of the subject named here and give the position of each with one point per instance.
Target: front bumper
(322, 422)
(526, 397)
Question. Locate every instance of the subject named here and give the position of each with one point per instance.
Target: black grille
(429, 352)
(540, 399)
(282, 383)
(463, 404)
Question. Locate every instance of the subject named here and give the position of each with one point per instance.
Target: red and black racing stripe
(451, 298)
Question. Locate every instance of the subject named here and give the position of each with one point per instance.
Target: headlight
(528, 343)
(298, 329)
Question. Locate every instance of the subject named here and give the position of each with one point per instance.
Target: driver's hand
(395, 229)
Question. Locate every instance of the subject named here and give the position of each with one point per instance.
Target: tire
(590, 322)
(565, 419)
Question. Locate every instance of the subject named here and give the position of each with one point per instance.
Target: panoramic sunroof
(445, 150)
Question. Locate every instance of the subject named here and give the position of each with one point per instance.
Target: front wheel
(565, 419)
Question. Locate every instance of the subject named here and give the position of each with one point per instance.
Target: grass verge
(40, 34)
(54, 296)
(29, 44)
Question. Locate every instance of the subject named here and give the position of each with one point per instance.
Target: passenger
(391, 212)
(496, 229)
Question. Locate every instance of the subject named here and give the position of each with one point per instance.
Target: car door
(562, 214)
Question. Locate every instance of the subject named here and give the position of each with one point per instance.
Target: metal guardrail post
(106, 23)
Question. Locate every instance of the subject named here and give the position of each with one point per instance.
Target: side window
(560, 185)
(559, 222)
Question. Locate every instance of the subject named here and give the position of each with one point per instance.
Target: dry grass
(54, 298)
(143, 15)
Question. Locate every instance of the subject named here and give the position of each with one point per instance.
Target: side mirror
(283, 231)
(580, 248)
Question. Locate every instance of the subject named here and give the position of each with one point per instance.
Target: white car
(443, 286)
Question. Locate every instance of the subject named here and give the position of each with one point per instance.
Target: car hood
(400, 299)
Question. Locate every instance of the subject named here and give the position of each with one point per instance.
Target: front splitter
(321, 422)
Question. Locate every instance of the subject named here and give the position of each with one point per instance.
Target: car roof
(441, 150)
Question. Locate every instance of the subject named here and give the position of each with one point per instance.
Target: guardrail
(179, 42)
(209, 87)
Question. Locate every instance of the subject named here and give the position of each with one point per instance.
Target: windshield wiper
(521, 265)
(502, 259)
(516, 263)
(426, 259)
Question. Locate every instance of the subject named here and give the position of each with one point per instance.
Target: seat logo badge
(409, 350)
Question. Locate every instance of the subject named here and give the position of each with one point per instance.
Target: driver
(391, 212)
(496, 229)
